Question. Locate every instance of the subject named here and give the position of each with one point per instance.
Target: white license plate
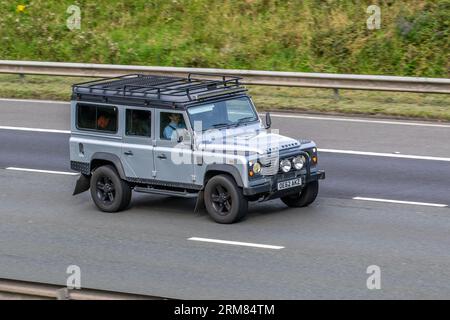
(289, 184)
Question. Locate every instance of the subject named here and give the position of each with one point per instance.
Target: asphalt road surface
(326, 248)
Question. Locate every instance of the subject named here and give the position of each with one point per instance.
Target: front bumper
(269, 184)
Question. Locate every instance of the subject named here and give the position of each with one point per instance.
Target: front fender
(226, 168)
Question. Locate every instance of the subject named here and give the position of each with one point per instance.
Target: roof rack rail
(165, 88)
(132, 75)
(223, 76)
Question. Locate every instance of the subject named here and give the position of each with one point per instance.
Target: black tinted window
(100, 118)
(86, 116)
(138, 123)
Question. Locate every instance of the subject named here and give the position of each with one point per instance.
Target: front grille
(270, 165)
(271, 162)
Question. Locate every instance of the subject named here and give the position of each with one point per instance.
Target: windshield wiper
(245, 120)
(233, 124)
(223, 124)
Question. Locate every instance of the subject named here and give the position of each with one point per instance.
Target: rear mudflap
(83, 184)
(200, 204)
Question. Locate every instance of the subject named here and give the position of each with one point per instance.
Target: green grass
(391, 104)
(373, 103)
(37, 87)
(286, 35)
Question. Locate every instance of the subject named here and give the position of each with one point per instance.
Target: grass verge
(349, 102)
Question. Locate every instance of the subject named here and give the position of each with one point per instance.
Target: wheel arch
(103, 158)
(216, 169)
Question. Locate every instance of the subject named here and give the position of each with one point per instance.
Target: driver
(175, 123)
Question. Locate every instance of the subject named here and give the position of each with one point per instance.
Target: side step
(182, 194)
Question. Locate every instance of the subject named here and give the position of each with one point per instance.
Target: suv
(195, 137)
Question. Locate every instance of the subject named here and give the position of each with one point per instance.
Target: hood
(249, 140)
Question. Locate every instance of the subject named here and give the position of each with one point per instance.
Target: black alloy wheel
(108, 191)
(224, 200)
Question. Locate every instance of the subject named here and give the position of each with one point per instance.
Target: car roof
(176, 92)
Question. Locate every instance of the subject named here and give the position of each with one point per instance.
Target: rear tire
(224, 200)
(304, 198)
(108, 191)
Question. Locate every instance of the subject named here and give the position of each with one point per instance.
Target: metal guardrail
(250, 77)
(16, 290)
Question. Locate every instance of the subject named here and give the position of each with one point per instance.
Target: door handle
(162, 156)
(128, 153)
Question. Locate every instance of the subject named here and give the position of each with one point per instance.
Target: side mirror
(268, 120)
(183, 135)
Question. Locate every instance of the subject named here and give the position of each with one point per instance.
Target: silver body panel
(151, 159)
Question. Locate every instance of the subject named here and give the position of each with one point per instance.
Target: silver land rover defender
(195, 137)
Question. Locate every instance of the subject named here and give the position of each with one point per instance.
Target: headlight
(298, 162)
(285, 165)
(257, 167)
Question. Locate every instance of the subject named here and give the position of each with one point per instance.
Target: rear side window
(138, 123)
(100, 118)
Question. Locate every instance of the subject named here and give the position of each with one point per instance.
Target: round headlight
(298, 162)
(285, 165)
(257, 167)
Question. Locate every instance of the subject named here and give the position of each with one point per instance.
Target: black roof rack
(161, 88)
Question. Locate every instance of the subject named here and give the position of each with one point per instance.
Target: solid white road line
(402, 202)
(388, 155)
(363, 153)
(236, 243)
(405, 123)
(34, 101)
(33, 129)
(296, 116)
(43, 171)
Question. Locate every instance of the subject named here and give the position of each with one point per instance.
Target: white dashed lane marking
(43, 171)
(402, 202)
(237, 243)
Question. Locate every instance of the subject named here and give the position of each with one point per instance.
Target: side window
(169, 123)
(138, 123)
(100, 118)
(107, 119)
(86, 116)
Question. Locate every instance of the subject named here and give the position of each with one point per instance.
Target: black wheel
(305, 197)
(109, 192)
(224, 200)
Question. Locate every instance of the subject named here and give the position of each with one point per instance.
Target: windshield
(233, 112)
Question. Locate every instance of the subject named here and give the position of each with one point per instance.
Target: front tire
(304, 198)
(108, 191)
(224, 200)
